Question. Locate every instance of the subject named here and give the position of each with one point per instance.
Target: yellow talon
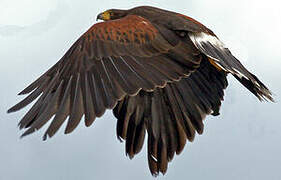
(215, 64)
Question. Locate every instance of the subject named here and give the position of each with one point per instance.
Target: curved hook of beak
(100, 16)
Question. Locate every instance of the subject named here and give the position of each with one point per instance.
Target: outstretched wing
(110, 61)
(170, 115)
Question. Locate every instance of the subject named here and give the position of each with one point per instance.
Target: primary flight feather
(161, 72)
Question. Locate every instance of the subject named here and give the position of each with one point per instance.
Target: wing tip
(14, 109)
(23, 92)
(10, 111)
(27, 132)
(45, 136)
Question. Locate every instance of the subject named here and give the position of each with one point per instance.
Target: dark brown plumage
(161, 72)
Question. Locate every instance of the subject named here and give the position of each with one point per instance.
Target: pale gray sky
(242, 143)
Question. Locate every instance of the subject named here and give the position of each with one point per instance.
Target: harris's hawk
(161, 72)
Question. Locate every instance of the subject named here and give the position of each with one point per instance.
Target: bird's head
(112, 14)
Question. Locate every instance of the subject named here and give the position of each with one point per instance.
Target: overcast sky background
(242, 143)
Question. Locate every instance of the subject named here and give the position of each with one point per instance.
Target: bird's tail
(220, 57)
(254, 85)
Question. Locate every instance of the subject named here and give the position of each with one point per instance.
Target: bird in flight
(160, 71)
